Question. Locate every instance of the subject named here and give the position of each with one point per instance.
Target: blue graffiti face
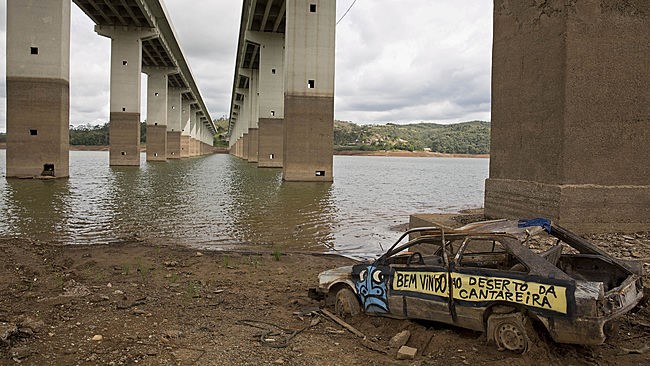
(371, 288)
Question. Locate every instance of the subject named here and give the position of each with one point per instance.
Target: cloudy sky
(397, 61)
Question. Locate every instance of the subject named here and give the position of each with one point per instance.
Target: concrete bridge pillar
(253, 136)
(185, 129)
(271, 97)
(192, 131)
(309, 90)
(157, 100)
(570, 114)
(174, 112)
(126, 67)
(38, 101)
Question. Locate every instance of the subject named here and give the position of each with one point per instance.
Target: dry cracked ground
(139, 303)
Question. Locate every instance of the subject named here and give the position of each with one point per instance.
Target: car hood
(326, 278)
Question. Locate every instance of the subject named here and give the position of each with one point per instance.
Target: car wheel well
(333, 290)
(536, 328)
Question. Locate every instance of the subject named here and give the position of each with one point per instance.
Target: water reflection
(219, 201)
(275, 213)
(37, 208)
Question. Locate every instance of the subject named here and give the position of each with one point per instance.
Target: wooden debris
(342, 323)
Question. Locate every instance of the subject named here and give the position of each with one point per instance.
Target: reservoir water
(222, 202)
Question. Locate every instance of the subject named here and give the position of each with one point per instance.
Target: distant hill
(460, 138)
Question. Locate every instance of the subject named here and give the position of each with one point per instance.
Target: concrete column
(193, 127)
(174, 112)
(185, 129)
(253, 122)
(197, 135)
(245, 147)
(244, 121)
(126, 66)
(253, 145)
(570, 114)
(309, 90)
(38, 97)
(157, 99)
(270, 143)
(271, 98)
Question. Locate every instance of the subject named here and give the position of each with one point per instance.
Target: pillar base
(156, 143)
(185, 146)
(308, 138)
(37, 128)
(584, 208)
(173, 145)
(271, 146)
(124, 132)
(253, 145)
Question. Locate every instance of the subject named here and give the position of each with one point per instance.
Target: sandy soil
(141, 303)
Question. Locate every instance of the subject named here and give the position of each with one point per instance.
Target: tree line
(460, 138)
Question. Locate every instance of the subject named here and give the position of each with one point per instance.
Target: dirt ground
(141, 303)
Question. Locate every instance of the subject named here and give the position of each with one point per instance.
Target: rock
(399, 339)
(406, 353)
(21, 352)
(97, 338)
(279, 361)
(7, 331)
(29, 325)
(199, 254)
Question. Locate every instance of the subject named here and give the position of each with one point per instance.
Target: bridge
(282, 106)
(570, 103)
(38, 71)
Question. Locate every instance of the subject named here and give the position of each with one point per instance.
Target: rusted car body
(484, 276)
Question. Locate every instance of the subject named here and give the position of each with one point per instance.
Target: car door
(423, 285)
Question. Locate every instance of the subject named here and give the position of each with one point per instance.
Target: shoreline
(397, 153)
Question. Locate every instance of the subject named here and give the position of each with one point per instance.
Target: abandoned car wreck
(495, 277)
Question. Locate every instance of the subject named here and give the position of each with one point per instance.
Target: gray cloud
(397, 60)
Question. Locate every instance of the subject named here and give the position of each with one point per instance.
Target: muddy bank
(139, 302)
(420, 154)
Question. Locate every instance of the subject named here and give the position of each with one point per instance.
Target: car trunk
(593, 268)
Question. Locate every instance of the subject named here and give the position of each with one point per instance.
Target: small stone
(279, 361)
(199, 254)
(21, 352)
(97, 338)
(109, 285)
(406, 353)
(399, 339)
(118, 292)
